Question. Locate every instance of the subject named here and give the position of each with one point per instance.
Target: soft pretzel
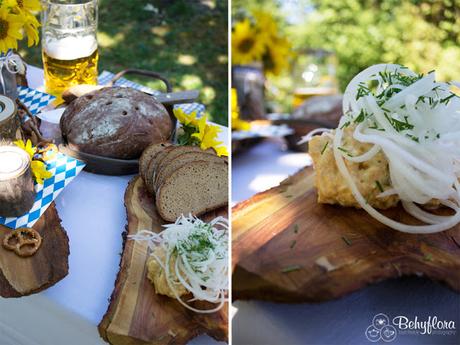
(23, 241)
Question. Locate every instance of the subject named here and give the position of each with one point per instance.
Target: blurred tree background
(421, 34)
(186, 40)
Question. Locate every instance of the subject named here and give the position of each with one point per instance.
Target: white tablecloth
(93, 214)
(342, 321)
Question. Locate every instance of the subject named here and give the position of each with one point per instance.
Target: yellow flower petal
(185, 119)
(39, 171)
(221, 151)
(246, 45)
(11, 29)
(26, 147)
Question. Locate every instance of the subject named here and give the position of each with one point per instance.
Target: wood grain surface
(24, 276)
(136, 314)
(288, 248)
(10, 127)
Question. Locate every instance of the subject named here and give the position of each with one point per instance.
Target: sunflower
(8, 3)
(184, 118)
(29, 5)
(267, 26)
(237, 123)
(31, 26)
(207, 137)
(39, 171)
(26, 146)
(10, 30)
(247, 46)
(276, 58)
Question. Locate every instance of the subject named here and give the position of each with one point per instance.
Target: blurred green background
(186, 40)
(421, 34)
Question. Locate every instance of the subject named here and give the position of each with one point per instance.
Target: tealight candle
(17, 193)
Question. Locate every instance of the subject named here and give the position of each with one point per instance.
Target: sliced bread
(194, 188)
(171, 154)
(151, 168)
(147, 156)
(185, 158)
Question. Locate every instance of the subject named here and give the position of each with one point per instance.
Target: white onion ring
(213, 265)
(423, 156)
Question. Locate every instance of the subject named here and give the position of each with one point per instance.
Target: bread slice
(194, 188)
(171, 154)
(147, 156)
(151, 168)
(185, 158)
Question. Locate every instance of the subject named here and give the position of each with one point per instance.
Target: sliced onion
(423, 158)
(311, 134)
(205, 275)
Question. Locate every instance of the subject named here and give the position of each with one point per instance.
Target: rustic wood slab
(136, 314)
(25, 276)
(288, 248)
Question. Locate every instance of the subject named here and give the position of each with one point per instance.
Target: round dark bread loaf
(115, 122)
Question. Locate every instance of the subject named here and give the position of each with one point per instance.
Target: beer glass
(69, 44)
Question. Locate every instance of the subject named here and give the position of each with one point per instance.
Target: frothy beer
(69, 61)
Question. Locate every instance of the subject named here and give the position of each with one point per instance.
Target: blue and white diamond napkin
(188, 108)
(34, 100)
(64, 170)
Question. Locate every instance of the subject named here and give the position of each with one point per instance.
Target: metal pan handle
(144, 73)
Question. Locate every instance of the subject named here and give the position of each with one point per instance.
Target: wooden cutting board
(136, 314)
(288, 248)
(25, 276)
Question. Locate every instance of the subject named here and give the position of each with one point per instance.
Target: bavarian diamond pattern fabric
(106, 76)
(34, 100)
(64, 170)
(191, 107)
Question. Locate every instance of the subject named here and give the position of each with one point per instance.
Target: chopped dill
(446, 100)
(399, 125)
(346, 124)
(361, 116)
(379, 186)
(291, 268)
(413, 137)
(325, 146)
(347, 241)
(345, 151)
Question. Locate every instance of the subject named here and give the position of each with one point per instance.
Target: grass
(185, 40)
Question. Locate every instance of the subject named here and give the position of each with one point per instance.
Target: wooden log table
(22, 276)
(289, 248)
(136, 314)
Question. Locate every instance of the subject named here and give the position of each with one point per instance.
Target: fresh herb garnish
(413, 137)
(399, 125)
(347, 241)
(345, 151)
(361, 116)
(324, 148)
(363, 90)
(296, 228)
(446, 100)
(346, 124)
(291, 268)
(379, 186)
